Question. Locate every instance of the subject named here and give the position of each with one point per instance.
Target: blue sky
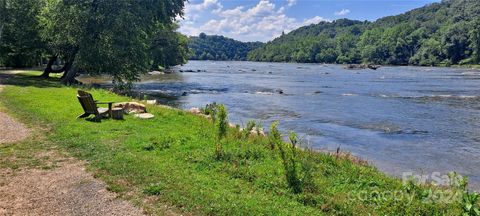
(263, 20)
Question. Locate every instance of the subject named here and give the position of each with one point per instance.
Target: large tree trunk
(66, 68)
(68, 77)
(70, 73)
(48, 70)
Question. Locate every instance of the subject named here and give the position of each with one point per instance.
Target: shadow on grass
(27, 79)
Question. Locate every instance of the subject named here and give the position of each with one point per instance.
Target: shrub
(308, 169)
(222, 126)
(238, 133)
(274, 136)
(288, 158)
(469, 201)
(258, 128)
(291, 168)
(211, 110)
(470, 204)
(222, 123)
(250, 125)
(121, 87)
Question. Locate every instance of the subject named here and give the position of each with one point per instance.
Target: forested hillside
(437, 34)
(214, 47)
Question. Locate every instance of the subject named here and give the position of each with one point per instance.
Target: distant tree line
(214, 47)
(119, 38)
(438, 34)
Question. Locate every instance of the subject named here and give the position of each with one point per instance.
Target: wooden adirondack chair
(90, 106)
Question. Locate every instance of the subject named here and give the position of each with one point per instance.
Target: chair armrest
(110, 104)
(97, 102)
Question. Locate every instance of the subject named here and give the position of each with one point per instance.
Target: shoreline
(338, 176)
(371, 161)
(381, 65)
(386, 165)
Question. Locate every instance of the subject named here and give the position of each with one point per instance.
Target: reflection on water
(400, 118)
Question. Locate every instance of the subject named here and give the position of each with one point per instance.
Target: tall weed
(288, 157)
(222, 127)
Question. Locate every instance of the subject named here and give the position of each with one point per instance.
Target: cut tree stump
(117, 113)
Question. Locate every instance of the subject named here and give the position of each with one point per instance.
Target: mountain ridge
(217, 47)
(442, 33)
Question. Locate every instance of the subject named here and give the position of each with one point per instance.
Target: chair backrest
(87, 102)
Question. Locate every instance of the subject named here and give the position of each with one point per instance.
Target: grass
(172, 159)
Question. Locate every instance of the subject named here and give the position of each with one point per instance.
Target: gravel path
(65, 190)
(11, 130)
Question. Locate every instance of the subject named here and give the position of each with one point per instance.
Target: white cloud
(343, 12)
(192, 11)
(261, 22)
(207, 4)
(291, 2)
(315, 20)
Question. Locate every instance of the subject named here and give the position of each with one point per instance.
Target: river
(401, 119)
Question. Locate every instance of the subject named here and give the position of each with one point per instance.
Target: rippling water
(400, 118)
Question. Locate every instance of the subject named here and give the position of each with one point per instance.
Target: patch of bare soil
(65, 190)
(10, 130)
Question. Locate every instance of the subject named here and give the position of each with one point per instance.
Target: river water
(401, 119)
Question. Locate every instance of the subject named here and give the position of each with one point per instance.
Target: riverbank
(466, 66)
(476, 66)
(171, 160)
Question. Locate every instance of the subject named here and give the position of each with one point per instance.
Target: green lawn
(171, 159)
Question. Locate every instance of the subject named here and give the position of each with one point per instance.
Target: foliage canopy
(438, 34)
(119, 38)
(214, 47)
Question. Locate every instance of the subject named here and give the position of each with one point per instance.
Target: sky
(263, 20)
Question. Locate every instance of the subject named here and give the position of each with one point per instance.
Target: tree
(328, 55)
(429, 54)
(370, 45)
(3, 17)
(475, 40)
(20, 42)
(106, 37)
(219, 47)
(374, 54)
(301, 56)
(455, 41)
(346, 47)
(169, 47)
(439, 33)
